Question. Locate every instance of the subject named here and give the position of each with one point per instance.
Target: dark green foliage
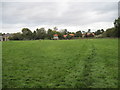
(78, 34)
(40, 33)
(34, 35)
(69, 37)
(60, 35)
(50, 33)
(117, 27)
(27, 34)
(89, 30)
(98, 32)
(102, 31)
(111, 32)
(65, 32)
(16, 36)
(115, 31)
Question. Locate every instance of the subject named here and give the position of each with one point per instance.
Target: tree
(117, 27)
(40, 33)
(60, 35)
(114, 31)
(102, 31)
(89, 30)
(50, 34)
(27, 34)
(83, 32)
(78, 34)
(110, 32)
(65, 31)
(16, 36)
(55, 28)
(98, 32)
(68, 37)
(34, 35)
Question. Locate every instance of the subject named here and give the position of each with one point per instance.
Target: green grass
(86, 63)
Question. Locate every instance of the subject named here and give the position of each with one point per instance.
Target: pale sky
(67, 14)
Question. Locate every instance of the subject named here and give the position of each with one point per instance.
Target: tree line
(114, 31)
(41, 33)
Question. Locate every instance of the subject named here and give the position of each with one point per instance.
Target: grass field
(86, 63)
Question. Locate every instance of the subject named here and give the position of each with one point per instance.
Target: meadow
(83, 63)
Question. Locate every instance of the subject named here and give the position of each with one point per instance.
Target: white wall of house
(55, 37)
(1, 38)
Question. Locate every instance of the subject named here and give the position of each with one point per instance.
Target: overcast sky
(72, 16)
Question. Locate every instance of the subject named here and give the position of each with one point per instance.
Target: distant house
(69, 35)
(99, 36)
(1, 38)
(72, 35)
(55, 37)
(83, 35)
(88, 35)
(6, 37)
(64, 36)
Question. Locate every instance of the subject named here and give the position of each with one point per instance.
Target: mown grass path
(87, 72)
(86, 63)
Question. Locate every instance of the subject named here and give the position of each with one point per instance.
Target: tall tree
(110, 32)
(50, 34)
(60, 35)
(78, 34)
(83, 32)
(65, 31)
(16, 36)
(102, 31)
(114, 31)
(117, 27)
(27, 34)
(40, 33)
(34, 35)
(89, 30)
(98, 32)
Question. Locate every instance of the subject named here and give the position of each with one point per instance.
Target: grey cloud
(83, 11)
(56, 13)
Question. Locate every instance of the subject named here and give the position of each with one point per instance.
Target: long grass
(84, 63)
